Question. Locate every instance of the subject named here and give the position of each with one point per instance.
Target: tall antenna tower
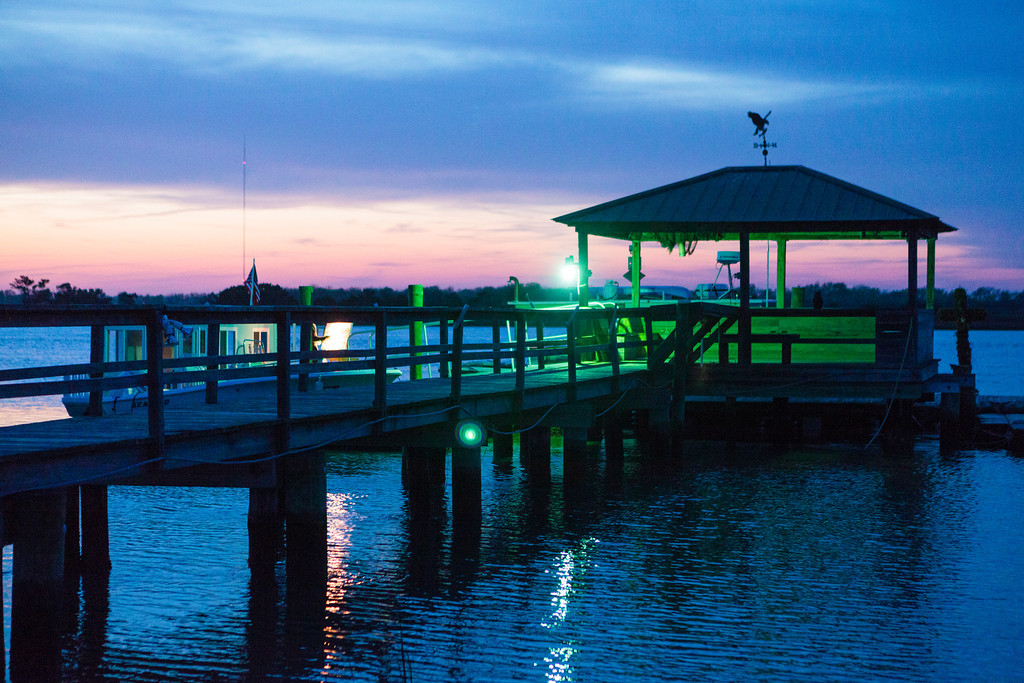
(243, 207)
(761, 128)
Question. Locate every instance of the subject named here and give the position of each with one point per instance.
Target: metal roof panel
(754, 196)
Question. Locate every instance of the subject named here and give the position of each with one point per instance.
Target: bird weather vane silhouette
(761, 128)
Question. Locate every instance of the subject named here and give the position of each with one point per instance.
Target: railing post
(212, 349)
(457, 336)
(743, 350)
(541, 358)
(305, 338)
(380, 397)
(520, 356)
(284, 344)
(155, 380)
(649, 333)
(283, 322)
(496, 347)
(96, 356)
(684, 330)
(613, 347)
(570, 339)
(415, 331)
(442, 334)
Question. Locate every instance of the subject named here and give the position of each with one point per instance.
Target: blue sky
(389, 142)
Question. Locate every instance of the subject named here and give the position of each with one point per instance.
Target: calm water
(822, 563)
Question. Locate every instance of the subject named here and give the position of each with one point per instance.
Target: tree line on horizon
(1002, 306)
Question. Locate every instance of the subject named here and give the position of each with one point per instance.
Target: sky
(387, 143)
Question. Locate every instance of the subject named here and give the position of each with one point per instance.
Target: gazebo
(778, 203)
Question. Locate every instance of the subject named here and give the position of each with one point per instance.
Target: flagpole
(243, 206)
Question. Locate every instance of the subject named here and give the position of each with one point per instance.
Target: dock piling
(424, 480)
(95, 529)
(72, 549)
(535, 455)
(264, 525)
(613, 448)
(37, 585)
(503, 447)
(466, 495)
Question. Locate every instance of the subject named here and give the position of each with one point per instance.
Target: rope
(895, 386)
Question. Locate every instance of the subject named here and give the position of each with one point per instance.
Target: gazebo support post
(912, 271)
(634, 275)
(930, 292)
(584, 259)
(912, 295)
(780, 274)
(743, 350)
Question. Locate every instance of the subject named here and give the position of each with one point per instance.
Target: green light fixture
(470, 433)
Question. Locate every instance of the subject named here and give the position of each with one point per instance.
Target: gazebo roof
(772, 202)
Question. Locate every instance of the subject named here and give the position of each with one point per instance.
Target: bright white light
(337, 336)
(571, 272)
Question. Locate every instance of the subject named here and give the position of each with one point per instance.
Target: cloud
(675, 86)
(404, 228)
(366, 42)
(340, 41)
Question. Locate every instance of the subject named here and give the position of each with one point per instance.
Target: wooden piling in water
(305, 488)
(467, 509)
(613, 448)
(37, 585)
(898, 429)
(95, 555)
(658, 432)
(780, 423)
(424, 481)
(574, 457)
(305, 518)
(264, 526)
(3, 542)
(503, 447)
(72, 549)
(949, 419)
(535, 454)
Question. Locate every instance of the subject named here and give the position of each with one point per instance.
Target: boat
(128, 343)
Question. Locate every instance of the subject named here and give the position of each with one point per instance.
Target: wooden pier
(579, 370)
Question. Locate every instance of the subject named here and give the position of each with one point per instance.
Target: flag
(252, 285)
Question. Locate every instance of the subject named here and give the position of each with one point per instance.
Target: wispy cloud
(342, 42)
(367, 42)
(676, 86)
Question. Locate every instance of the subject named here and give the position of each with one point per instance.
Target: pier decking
(61, 452)
(795, 354)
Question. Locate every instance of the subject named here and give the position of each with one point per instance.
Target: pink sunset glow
(166, 240)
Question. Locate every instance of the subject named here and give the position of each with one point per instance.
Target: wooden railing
(885, 338)
(562, 340)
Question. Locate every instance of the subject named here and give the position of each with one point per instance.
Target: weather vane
(761, 128)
